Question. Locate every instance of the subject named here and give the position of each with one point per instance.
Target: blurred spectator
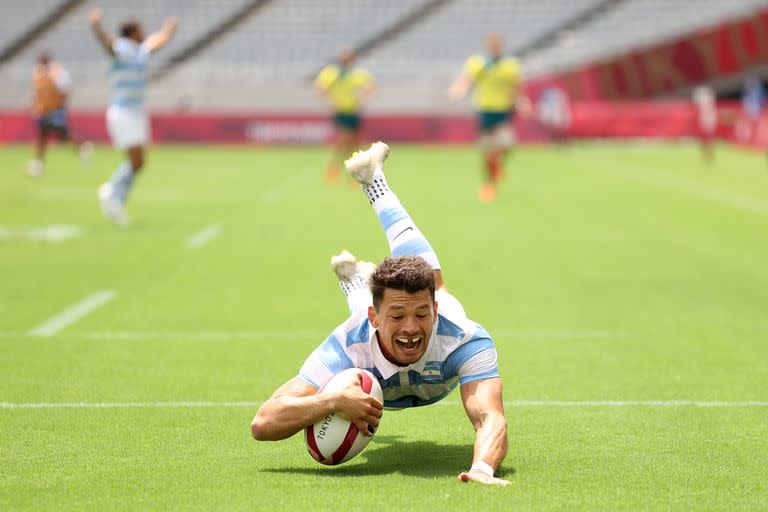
(554, 113)
(706, 109)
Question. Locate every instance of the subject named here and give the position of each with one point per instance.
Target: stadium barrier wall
(593, 119)
(727, 49)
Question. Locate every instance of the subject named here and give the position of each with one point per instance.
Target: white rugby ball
(335, 439)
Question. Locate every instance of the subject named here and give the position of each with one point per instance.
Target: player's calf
(401, 232)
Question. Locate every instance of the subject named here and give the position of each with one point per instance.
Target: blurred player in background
(706, 110)
(346, 88)
(407, 330)
(127, 118)
(52, 84)
(752, 102)
(554, 113)
(496, 79)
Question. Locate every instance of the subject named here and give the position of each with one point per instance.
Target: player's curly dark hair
(128, 28)
(408, 273)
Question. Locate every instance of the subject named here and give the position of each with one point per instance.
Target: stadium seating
(631, 24)
(17, 17)
(294, 38)
(268, 57)
(72, 42)
(443, 41)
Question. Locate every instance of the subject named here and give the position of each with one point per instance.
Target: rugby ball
(335, 439)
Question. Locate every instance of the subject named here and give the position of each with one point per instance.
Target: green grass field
(617, 281)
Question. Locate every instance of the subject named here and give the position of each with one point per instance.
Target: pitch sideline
(540, 334)
(701, 404)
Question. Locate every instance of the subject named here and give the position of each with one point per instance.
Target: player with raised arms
(346, 88)
(127, 119)
(496, 80)
(407, 330)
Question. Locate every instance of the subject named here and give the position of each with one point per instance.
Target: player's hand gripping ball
(335, 439)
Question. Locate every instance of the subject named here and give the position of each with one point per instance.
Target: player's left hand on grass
(482, 478)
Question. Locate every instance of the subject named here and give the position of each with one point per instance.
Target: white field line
(73, 313)
(81, 194)
(200, 238)
(51, 233)
(198, 335)
(655, 177)
(508, 403)
(564, 334)
(626, 403)
(498, 334)
(122, 405)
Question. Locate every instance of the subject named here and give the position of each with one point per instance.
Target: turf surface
(605, 273)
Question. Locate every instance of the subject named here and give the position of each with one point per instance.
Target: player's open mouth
(408, 344)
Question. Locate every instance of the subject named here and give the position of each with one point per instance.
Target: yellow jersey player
(496, 80)
(51, 84)
(346, 88)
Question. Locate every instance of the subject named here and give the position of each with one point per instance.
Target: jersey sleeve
(512, 71)
(324, 362)
(326, 77)
(474, 66)
(63, 80)
(144, 51)
(475, 359)
(126, 50)
(121, 48)
(364, 79)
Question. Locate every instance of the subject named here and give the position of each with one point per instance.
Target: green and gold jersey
(344, 86)
(495, 82)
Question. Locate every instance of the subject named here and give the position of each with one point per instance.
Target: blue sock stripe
(389, 216)
(122, 181)
(414, 246)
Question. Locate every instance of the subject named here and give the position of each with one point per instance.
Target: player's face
(347, 58)
(495, 45)
(404, 322)
(138, 35)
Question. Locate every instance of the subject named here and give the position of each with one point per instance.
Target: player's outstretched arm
(321, 91)
(368, 92)
(104, 37)
(295, 406)
(160, 38)
(460, 87)
(483, 403)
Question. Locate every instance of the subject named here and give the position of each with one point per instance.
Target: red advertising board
(730, 48)
(589, 119)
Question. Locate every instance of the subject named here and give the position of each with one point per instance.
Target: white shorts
(127, 127)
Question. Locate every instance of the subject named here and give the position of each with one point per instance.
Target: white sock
(357, 292)
(122, 181)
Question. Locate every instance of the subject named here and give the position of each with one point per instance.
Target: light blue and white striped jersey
(129, 73)
(459, 351)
